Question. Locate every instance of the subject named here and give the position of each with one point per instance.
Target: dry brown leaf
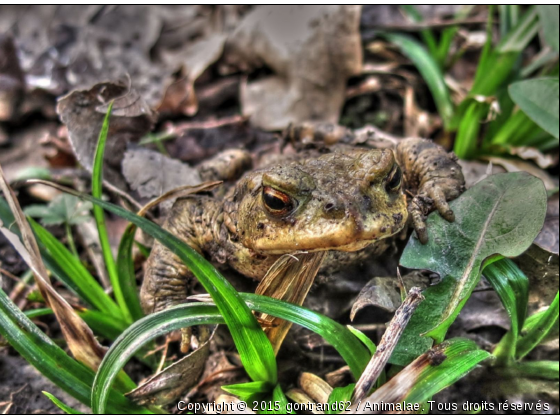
(383, 292)
(511, 165)
(548, 236)
(169, 384)
(530, 153)
(152, 174)
(289, 279)
(312, 50)
(81, 341)
(83, 113)
(194, 60)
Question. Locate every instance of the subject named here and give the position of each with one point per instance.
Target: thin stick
(387, 344)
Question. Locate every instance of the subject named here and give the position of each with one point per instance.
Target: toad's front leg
(433, 176)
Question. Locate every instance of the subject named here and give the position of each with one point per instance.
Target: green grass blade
(60, 404)
(537, 369)
(350, 348)
(466, 143)
(429, 70)
(53, 362)
(538, 330)
(87, 286)
(96, 191)
(427, 35)
(127, 278)
(512, 287)
(520, 36)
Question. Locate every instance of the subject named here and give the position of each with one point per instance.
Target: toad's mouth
(351, 239)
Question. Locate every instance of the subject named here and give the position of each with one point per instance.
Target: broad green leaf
(254, 348)
(429, 70)
(339, 398)
(548, 15)
(538, 330)
(53, 362)
(500, 215)
(538, 98)
(60, 404)
(512, 287)
(87, 286)
(432, 372)
(141, 332)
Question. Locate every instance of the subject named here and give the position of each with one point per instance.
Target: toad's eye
(394, 180)
(276, 202)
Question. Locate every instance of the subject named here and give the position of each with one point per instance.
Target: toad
(332, 196)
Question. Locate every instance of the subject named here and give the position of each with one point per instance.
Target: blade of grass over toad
(429, 70)
(53, 362)
(96, 190)
(512, 287)
(350, 348)
(254, 348)
(127, 278)
(60, 404)
(538, 330)
(75, 270)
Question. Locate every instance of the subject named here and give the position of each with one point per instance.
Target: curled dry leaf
(169, 384)
(383, 292)
(83, 344)
(83, 112)
(312, 50)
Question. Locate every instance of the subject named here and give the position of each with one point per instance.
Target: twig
(387, 344)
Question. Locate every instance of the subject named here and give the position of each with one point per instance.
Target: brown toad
(332, 197)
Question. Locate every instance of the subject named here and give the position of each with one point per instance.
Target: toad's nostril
(329, 206)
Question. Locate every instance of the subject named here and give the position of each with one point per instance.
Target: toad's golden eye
(394, 179)
(276, 202)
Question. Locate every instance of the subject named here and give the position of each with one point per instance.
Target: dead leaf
(383, 292)
(475, 171)
(194, 60)
(289, 279)
(312, 50)
(168, 385)
(548, 236)
(541, 267)
(512, 165)
(81, 341)
(152, 174)
(83, 113)
(530, 153)
(12, 83)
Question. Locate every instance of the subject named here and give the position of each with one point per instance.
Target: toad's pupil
(395, 180)
(275, 200)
